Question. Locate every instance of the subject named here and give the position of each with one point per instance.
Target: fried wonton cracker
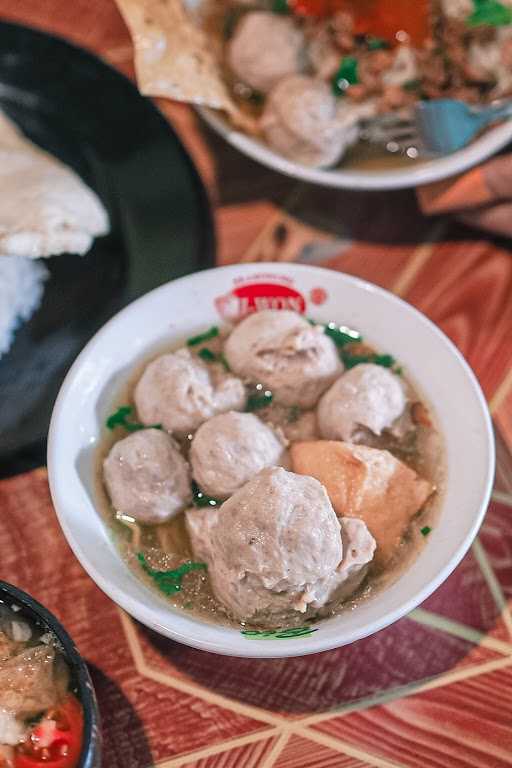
(174, 57)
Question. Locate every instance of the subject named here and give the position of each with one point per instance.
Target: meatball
(367, 396)
(230, 449)
(358, 551)
(264, 49)
(281, 350)
(300, 121)
(272, 549)
(147, 477)
(180, 391)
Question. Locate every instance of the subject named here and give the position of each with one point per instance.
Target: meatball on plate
(259, 475)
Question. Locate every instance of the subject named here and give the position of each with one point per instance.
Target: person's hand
(480, 198)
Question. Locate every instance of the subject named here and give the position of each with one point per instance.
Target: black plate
(91, 117)
(81, 683)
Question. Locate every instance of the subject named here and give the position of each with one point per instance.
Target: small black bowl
(81, 683)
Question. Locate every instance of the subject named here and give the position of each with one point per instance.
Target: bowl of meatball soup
(312, 77)
(270, 462)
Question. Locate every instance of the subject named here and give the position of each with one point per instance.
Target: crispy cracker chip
(173, 57)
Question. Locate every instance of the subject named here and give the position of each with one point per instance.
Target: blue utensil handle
(495, 112)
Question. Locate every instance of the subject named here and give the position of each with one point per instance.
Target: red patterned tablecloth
(435, 689)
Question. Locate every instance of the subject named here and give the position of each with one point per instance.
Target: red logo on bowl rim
(257, 293)
(318, 295)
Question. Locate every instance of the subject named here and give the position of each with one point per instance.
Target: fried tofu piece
(366, 483)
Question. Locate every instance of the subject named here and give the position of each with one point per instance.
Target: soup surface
(312, 486)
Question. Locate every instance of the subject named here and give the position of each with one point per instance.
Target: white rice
(21, 291)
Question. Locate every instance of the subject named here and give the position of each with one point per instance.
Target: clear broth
(167, 545)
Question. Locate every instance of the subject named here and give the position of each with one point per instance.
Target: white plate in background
(432, 170)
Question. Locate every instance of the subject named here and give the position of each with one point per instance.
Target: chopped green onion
(426, 530)
(169, 582)
(412, 85)
(277, 634)
(222, 359)
(345, 76)
(281, 6)
(200, 499)
(206, 336)
(350, 361)
(376, 43)
(259, 400)
(207, 355)
(489, 13)
(120, 419)
(342, 335)
(212, 357)
(256, 98)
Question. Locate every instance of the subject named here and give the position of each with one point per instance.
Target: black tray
(84, 112)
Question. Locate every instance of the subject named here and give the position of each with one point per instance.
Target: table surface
(435, 689)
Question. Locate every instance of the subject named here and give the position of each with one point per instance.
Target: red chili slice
(316, 8)
(66, 743)
(378, 18)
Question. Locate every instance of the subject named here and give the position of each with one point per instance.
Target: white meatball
(180, 391)
(358, 551)
(264, 49)
(300, 121)
(230, 449)
(146, 477)
(273, 548)
(281, 350)
(367, 396)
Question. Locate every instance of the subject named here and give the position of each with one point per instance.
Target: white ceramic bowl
(200, 300)
(416, 175)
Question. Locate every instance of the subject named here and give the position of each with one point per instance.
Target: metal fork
(431, 128)
(396, 132)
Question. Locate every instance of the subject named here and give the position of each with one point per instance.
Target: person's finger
(498, 177)
(495, 218)
(454, 194)
(490, 182)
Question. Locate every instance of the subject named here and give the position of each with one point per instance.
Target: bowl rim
(433, 170)
(145, 614)
(91, 747)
